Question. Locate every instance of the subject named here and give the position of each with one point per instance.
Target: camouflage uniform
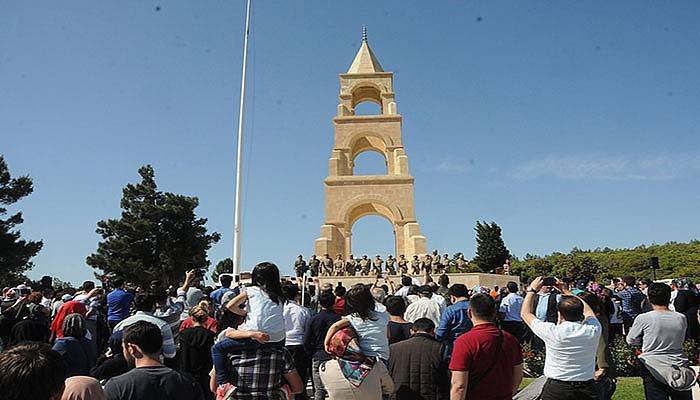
(461, 264)
(390, 261)
(339, 266)
(327, 266)
(314, 264)
(377, 265)
(300, 267)
(364, 265)
(415, 265)
(427, 264)
(351, 266)
(445, 262)
(402, 264)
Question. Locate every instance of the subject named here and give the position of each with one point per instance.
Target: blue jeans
(220, 352)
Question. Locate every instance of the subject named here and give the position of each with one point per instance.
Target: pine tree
(491, 252)
(224, 266)
(15, 253)
(157, 237)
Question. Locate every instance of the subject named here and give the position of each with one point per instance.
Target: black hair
(629, 280)
(327, 300)
(395, 305)
(425, 325)
(444, 280)
(659, 294)
(413, 289)
(459, 290)
(144, 302)
(266, 276)
(483, 306)
(645, 281)
(592, 300)
(340, 291)
(512, 287)
(359, 301)
(290, 290)
(406, 281)
(117, 282)
(88, 286)
(571, 308)
(226, 280)
(160, 295)
(31, 371)
(145, 335)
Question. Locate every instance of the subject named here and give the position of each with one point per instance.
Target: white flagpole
(239, 155)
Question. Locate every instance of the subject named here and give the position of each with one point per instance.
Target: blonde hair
(200, 312)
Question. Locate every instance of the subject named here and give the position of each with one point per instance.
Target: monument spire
(365, 61)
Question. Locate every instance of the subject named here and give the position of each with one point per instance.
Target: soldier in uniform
(314, 264)
(351, 266)
(327, 265)
(435, 262)
(446, 263)
(390, 261)
(402, 264)
(377, 265)
(364, 265)
(300, 268)
(427, 264)
(461, 263)
(339, 266)
(415, 265)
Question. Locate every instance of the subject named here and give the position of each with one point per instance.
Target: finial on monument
(364, 33)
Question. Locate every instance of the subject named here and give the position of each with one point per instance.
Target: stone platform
(470, 279)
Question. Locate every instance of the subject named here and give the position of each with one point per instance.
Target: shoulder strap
(475, 382)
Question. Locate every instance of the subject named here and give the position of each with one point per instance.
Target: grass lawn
(628, 388)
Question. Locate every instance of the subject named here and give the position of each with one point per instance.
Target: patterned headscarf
(346, 349)
(683, 283)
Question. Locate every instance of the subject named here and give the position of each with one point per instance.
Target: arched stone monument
(349, 197)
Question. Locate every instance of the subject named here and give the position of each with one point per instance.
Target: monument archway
(373, 235)
(349, 196)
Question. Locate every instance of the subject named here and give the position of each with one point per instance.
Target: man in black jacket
(313, 339)
(417, 367)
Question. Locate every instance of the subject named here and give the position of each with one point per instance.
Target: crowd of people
(412, 339)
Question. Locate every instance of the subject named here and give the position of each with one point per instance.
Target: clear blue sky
(568, 123)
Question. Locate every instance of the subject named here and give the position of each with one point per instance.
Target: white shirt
(440, 300)
(403, 291)
(571, 348)
(264, 315)
(371, 334)
(296, 320)
(510, 307)
(423, 308)
(616, 317)
(379, 307)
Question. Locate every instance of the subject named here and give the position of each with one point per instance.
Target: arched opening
(370, 162)
(372, 235)
(367, 100)
(368, 108)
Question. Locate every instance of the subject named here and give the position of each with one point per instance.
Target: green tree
(158, 235)
(15, 252)
(491, 252)
(223, 266)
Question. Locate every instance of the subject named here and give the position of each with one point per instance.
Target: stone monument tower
(350, 197)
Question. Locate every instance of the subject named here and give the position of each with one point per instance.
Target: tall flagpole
(239, 155)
